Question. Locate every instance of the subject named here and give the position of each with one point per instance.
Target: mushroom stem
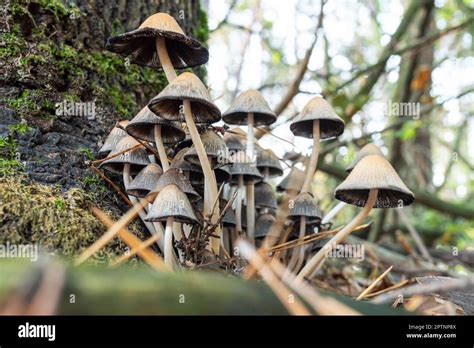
(318, 259)
(313, 160)
(161, 148)
(296, 252)
(251, 212)
(209, 176)
(165, 59)
(250, 123)
(169, 242)
(238, 205)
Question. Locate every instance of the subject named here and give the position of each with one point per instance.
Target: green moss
(9, 163)
(87, 152)
(11, 43)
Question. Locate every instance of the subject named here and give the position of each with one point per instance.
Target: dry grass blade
(111, 183)
(390, 288)
(152, 259)
(294, 307)
(136, 250)
(374, 283)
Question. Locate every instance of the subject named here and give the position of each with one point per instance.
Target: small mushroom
(373, 183)
(263, 226)
(176, 177)
(292, 183)
(145, 181)
(215, 147)
(269, 164)
(115, 135)
(318, 121)
(171, 205)
(265, 196)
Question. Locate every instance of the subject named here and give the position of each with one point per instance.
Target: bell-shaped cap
(115, 135)
(367, 150)
(374, 172)
(176, 177)
(172, 202)
(142, 127)
(293, 181)
(242, 165)
(228, 219)
(267, 160)
(249, 101)
(265, 196)
(304, 205)
(215, 148)
(234, 142)
(137, 158)
(263, 225)
(179, 162)
(145, 181)
(187, 86)
(330, 125)
(222, 174)
(140, 44)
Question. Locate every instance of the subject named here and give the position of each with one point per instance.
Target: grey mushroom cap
(249, 101)
(142, 127)
(145, 181)
(304, 205)
(140, 44)
(179, 162)
(330, 125)
(176, 177)
(115, 135)
(187, 86)
(222, 174)
(265, 196)
(172, 202)
(367, 150)
(374, 172)
(228, 219)
(234, 142)
(263, 225)
(267, 159)
(215, 147)
(242, 165)
(293, 181)
(137, 158)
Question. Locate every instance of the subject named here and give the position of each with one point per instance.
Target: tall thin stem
(165, 59)
(238, 204)
(161, 148)
(169, 242)
(313, 160)
(251, 211)
(318, 259)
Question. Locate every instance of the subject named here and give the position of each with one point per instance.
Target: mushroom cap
(330, 125)
(176, 177)
(293, 181)
(249, 101)
(222, 174)
(172, 202)
(267, 159)
(234, 142)
(374, 172)
(215, 147)
(228, 219)
(263, 225)
(142, 127)
(367, 150)
(137, 158)
(265, 196)
(115, 135)
(145, 181)
(140, 44)
(187, 86)
(179, 162)
(242, 165)
(304, 205)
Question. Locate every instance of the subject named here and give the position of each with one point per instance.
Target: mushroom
(263, 226)
(292, 183)
(268, 164)
(147, 126)
(318, 121)
(265, 197)
(373, 183)
(174, 176)
(160, 42)
(228, 224)
(369, 149)
(115, 135)
(251, 109)
(171, 205)
(187, 99)
(145, 181)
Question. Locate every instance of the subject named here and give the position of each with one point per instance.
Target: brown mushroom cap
(265, 196)
(330, 124)
(367, 150)
(140, 44)
(176, 177)
(263, 225)
(242, 165)
(249, 101)
(267, 159)
(187, 86)
(293, 181)
(304, 205)
(137, 158)
(142, 127)
(374, 172)
(216, 150)
(172, 202)
(115, 135)
(145, 181)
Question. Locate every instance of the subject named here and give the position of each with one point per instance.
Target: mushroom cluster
(200, 188)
